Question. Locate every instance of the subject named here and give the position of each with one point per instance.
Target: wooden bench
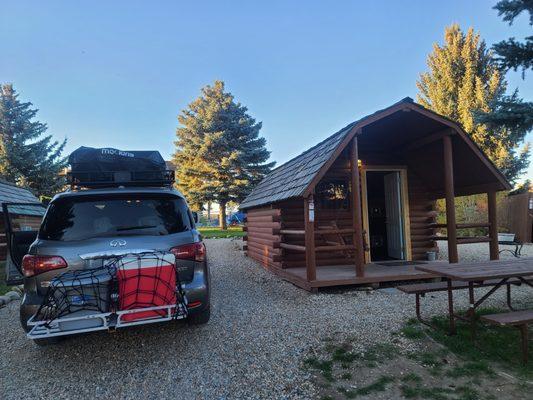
(517, 319)
(420, 290)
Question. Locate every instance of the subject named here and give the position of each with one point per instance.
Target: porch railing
(317, 232)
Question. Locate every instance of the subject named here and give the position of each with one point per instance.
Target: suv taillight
(191, 251)
(35, 265)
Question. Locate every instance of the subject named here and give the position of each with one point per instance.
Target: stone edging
(12, 295)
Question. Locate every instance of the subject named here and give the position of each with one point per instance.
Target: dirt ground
(405, 368)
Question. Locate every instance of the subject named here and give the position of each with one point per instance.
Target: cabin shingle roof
(9, 193)
(292, 178)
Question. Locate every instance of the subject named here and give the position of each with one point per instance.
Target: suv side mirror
(195, 217)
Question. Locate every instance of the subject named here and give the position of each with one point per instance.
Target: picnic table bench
(472, 275)
(517, 319)
(421, 289)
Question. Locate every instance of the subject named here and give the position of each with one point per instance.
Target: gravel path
(252, 348)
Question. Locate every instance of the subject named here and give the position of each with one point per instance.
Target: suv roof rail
(103, 179)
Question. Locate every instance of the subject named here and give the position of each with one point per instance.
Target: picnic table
(474, 273)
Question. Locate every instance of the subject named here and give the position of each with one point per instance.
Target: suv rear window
(85, 217)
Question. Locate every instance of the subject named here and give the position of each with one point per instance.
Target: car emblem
(117, 243)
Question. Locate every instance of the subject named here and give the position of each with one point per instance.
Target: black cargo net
(147, 281)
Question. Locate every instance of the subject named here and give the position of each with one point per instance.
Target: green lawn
(211, 232)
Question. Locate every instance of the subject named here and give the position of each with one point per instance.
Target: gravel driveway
(252, 348)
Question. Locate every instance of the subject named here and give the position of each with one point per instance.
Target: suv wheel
(47, 342)
(200, 318)
(39, 342)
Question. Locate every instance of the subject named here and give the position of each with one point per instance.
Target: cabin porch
(342, 275)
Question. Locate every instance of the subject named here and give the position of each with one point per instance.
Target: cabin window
(333, 194)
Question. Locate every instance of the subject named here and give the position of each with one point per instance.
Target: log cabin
(307, 224)
(22, 218)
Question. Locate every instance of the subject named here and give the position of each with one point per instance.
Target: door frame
(13, 271)
(402, 169)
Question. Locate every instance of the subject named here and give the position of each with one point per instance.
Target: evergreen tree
(510, 112)
(511, 53)
(219, 155)
(26, 156)
(464, 80)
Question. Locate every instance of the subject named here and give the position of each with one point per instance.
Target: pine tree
(463, 81)
(219, 155)
(510, 112)
(26, 156)
(511, 53)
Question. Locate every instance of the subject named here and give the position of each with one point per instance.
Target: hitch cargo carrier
(101, 321)
(126, 290)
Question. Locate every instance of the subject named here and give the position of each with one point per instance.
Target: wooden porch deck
(343, 275)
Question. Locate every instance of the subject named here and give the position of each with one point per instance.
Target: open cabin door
(394, 216)
(22, 222)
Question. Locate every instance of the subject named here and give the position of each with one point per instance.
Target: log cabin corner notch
(306, 223)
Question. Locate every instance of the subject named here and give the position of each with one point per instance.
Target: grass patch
(420, 392)
(324, 366)
(377, 386)
(411, 377)
(467, 393)
(342, 354)
(3, 287)
(346, 376)
(208, 232)
(376, 354)
(473, 369)
(379, 353)
(413, 330)
(492, 345)
(413, 389)
(433, 360)
(443, 367)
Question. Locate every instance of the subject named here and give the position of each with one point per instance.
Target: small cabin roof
(10, 193)
(292, 179)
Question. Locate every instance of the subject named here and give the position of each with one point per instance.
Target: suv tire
(201, 318)
(47, 342)
(38, 342)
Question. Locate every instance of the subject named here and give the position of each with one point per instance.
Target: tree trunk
(209, 213)
(222, 216)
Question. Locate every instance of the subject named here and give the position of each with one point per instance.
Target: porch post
(309, 226)
(493, 227)
(357, 218)
(450, 200)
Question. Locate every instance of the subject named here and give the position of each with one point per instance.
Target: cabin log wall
(262, 237)
(263, 224)
(421, 215)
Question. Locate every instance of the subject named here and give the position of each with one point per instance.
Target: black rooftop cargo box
(91, 167)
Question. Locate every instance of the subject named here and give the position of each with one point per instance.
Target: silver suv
(79, 222)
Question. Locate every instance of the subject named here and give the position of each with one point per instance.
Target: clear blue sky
(118, 73)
